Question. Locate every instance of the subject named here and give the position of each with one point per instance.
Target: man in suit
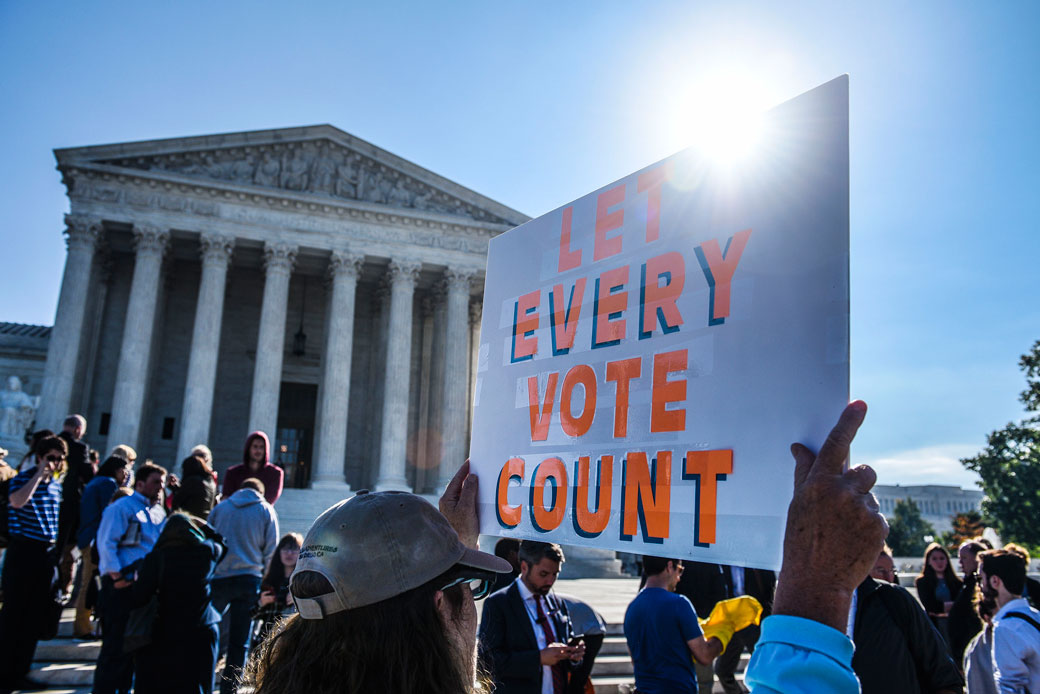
(80, 471)
(524, 628)
(707, 584)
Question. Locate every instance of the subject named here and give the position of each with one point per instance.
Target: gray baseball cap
(376, 545)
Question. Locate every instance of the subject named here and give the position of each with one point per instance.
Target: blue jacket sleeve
(800, 656)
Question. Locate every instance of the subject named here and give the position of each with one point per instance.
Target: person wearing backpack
(1016, 626)
(898, 649)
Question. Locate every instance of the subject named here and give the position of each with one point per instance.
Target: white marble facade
(195, 264)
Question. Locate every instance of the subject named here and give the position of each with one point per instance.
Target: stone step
(612, 665)
(63, 675)
(614, 645)
(612, 684)
(66, 650)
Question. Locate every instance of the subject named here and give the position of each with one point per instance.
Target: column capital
(459, 279)
(345, 264)
(403, 272)
(82, 231)
(279, 256)
(150, 239)
(216, 248)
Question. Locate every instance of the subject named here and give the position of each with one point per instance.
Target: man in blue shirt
(30, 566)
(128, 531)
(663, 634)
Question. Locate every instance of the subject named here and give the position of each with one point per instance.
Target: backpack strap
(1019, 615)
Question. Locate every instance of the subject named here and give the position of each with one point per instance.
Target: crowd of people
(380, 594)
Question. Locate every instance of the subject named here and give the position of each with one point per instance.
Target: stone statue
(294, 175)
(16, 410)
(267, 171)
(323, 171)
(347, 179)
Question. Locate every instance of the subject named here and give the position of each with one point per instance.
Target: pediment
(322, 161)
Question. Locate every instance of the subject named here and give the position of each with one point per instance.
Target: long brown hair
(949, 575)
(397, 645)
(275, 577)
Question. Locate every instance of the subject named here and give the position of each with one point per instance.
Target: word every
(645, 495)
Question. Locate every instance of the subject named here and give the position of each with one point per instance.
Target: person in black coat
(898, 649)
(707, 584)
(183, 653)
(196, 492)
(80, 471)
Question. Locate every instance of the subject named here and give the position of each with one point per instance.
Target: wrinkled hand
(834, 530)
(458, 503)
(555, 652)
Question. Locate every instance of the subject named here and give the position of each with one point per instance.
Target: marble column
(393, 441)
(197, 411)
(456, 373)
(270, 342)
(59, 374)
(476, 309)
(335, 381)
(135, 352)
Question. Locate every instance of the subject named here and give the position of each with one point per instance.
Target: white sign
(650, 351)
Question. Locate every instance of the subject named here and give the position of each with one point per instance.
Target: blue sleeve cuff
(796, 655)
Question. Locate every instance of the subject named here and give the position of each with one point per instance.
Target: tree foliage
(966, 526)
(907, 530)
(1009, 466)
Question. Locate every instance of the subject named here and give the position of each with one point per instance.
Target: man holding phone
(525, 635)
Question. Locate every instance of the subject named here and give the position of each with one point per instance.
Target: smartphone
(575, 640)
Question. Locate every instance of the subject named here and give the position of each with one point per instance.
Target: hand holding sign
(834, 530)
(458, 504)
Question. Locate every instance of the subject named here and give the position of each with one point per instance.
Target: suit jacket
(508, 647)
(79, 472)
(707, 584)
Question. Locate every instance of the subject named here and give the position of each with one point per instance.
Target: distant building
(939, 503)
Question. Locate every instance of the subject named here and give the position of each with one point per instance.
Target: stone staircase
(67, 664)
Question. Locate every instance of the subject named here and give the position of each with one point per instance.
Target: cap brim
(485, 561)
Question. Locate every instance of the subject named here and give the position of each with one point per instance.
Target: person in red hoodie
(256, 462)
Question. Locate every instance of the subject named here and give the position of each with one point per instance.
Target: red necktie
(559, 676)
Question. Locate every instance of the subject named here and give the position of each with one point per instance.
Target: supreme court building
(299, 281)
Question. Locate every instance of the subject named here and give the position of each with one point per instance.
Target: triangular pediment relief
(315, 163)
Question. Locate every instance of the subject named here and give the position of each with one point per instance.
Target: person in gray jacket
(250, 528)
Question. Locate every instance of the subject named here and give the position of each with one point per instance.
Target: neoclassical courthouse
(298, 281)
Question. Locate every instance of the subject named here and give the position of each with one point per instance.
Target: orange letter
(718, 270)
(509, 516)
(650, 181)
(708, 468)
(588, 523)
(546, 519)
(622, 371)
(541, 416)
(568, 259)
(665, 392)
(646, 496)
(524, 325)
(608, 327)
(657, 302)
(608, 221)
(564, 326)
(583, 374)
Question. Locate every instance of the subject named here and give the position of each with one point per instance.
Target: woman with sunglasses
(385, 588)
(30, 564)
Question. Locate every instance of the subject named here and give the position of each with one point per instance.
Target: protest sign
(648, 352)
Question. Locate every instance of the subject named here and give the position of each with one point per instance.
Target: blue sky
(535, 104)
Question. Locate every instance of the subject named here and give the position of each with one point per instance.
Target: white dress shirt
(1016, 649)
(539, 634)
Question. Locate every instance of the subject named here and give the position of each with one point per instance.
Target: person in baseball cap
(385, 587)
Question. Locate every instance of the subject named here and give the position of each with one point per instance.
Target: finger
(862, 478)
(803, 462)
(468, 493)
(835, 449)
(454, 488)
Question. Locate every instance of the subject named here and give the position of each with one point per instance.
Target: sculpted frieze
(321, 168)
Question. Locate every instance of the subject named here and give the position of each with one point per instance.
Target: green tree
(907, 530)
(1009, 466)
(966, 526)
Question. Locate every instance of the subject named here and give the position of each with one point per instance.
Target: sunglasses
(480, 587)
(54, 458)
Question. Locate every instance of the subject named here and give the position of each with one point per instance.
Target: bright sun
(721, 114)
